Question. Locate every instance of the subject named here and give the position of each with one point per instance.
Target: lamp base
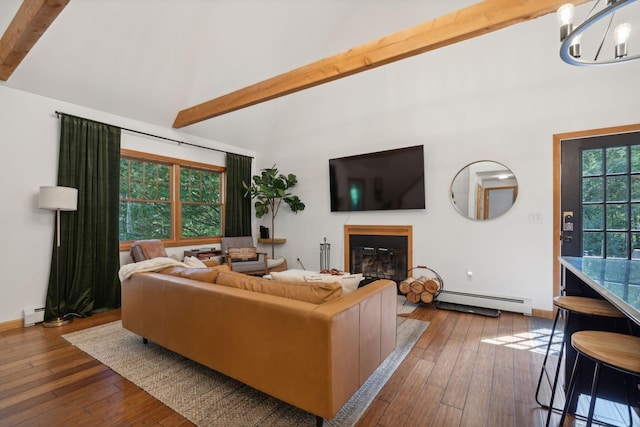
(56, 321)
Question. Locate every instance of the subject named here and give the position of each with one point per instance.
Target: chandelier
(607, 46)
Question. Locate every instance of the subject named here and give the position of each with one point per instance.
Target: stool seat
(589, 306)
(619, 351)
(616, 351)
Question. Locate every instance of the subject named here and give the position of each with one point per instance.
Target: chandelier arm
(593, 8)
(604, 36)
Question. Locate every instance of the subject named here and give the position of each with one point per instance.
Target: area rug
(405, 306)
(208, 398)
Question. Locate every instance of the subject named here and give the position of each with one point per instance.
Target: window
(177, 201)
(611, 202)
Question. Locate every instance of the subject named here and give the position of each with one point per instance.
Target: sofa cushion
(315, 293)
(208, 274)
(349, 282)
(289, 276)
(243, 254)
(147, 249)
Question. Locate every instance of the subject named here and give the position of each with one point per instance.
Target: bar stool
(613, 350)
(572, 305)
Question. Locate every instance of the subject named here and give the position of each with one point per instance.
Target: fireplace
(378, 252)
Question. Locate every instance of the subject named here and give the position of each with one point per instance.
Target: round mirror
(484, 190)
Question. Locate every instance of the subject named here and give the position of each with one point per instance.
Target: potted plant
(270, 189)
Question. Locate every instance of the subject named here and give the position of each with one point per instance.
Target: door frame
(557, 143)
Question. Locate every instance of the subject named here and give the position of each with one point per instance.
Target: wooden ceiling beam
(31, 21)
(475, 20)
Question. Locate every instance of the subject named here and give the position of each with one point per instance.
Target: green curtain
(89, 160)
(237, 219)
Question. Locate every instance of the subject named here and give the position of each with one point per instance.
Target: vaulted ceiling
(150, 59)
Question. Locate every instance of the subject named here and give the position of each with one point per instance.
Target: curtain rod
(59, 113)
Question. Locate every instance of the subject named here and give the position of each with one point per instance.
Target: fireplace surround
(379, 251)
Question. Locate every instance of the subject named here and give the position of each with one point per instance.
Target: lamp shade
(63, 198)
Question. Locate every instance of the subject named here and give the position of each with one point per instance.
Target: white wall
(29, 134)
(499, 97)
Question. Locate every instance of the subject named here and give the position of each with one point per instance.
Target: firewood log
(405, 285)
(426, 297)
(414, 298)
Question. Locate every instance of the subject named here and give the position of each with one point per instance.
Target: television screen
(384, 180)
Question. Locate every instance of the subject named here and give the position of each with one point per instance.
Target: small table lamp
(58, 199)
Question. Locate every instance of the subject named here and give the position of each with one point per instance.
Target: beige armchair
(242, 256)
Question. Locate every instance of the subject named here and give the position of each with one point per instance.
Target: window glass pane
(201, 220)
(635, 216)
(136, 168)
(617, 217)
(592, 217)
(635, 246)
(592, 243)
(635, 188)
(144, 186)
(200, 196)
(617, 188)
(635, 158)
(616, 160)
(592, 190)
(150, 190)
(634, 295)
(591, 162)
(124, 181)
(617, 245)
(144, 220)
(199, 186)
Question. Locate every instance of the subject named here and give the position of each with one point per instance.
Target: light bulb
(565, 14)
(574, 49)
(621, 33)
(565, 18)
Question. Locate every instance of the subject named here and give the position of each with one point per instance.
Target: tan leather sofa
(312, 356)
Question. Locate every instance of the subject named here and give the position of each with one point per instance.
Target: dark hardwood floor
(466, 370)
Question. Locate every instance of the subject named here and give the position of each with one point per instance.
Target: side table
(205, 253)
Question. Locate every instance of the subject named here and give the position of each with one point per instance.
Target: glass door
(600, 196)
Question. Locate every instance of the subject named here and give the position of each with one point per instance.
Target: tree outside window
(169, 199)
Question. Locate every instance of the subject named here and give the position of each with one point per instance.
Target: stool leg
(557, 376)
(628, 382)
(572, 385)
(594, 393)
(544, 362)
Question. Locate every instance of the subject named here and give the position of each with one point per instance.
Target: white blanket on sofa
(154, 264)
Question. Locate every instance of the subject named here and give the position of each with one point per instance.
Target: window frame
(176, 218)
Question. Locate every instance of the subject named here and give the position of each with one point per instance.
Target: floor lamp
(58, 199)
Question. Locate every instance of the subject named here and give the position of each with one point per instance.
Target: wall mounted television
(384, 180)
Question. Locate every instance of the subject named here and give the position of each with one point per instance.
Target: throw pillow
(291, 276)
(208, 274)
(302, 291)
(242, 254)
(349, 282)
(192, 261)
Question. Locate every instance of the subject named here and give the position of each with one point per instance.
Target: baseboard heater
(513, 304)
(33, 316)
